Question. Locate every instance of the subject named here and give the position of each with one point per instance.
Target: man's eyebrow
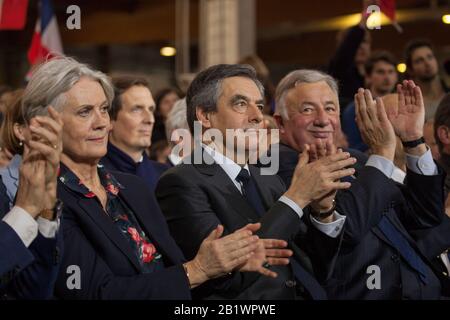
(239, 97)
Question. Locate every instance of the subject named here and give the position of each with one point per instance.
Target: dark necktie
(250, 192)
(251, 195)
(403, 247)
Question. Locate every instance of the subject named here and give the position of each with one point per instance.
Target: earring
(21, 143)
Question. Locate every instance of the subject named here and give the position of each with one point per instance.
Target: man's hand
(312, 181)
(269, 252)
(373, 123)
(318, 151)
(408, 118)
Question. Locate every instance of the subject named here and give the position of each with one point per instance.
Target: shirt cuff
(292, 205)
(48, 228)
(331, 229)
(23, 224)
(383, 164)
(423, 164)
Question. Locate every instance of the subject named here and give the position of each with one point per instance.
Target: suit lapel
(222, 181)
(98, 215)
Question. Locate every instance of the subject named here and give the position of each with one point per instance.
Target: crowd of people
(153, 198)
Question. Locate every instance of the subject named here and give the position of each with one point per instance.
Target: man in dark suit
(132, 125)
(220, 185)
(377, 254)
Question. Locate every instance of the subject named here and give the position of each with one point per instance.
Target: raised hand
(31, 183)
(408, 118)
(219, 255)
(47, 141)
(318, 151)
(313, 180)
(374, 125)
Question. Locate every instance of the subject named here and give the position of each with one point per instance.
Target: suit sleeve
(424, 205)
(37, 280)
(14, 255)
(97, 281)
(364, 202)
(191, 218)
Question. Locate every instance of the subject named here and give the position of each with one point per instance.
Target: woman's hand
(47, 141)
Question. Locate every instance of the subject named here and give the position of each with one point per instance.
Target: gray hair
(52, 79)
(176, 119)
(206, 88)
(293, 79)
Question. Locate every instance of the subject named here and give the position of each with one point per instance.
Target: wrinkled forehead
(85, 92)
(241, 86)
(317, 93)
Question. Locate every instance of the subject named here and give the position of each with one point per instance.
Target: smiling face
(86, 122)
(239, 107)
(132, 129)
(313, 110)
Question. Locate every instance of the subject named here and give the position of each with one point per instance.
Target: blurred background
(167, 41)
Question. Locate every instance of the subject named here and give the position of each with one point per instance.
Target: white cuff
(293, 205)
(331, 229)
(383, 164)
(23, 224)
(422, 165)
(48, 228)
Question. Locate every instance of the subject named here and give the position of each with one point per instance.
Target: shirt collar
(230, 167)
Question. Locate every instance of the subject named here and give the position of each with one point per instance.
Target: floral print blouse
(121, 215)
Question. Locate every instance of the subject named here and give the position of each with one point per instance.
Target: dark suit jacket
(26, 273)
(148, 170)
(196, 198)
(433, 242)
(109, 268)
(417, 205)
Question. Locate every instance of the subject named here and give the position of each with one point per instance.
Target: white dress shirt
(421, 165)
(27, 228)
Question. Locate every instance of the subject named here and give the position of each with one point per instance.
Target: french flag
(13, 14)
(46, 41)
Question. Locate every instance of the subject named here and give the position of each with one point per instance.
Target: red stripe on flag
(13, 14)
(37, 51)
(388, 8)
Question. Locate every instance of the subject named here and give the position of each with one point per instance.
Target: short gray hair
(296, 77)
(176, 119)
(52, 79)
(206, 88)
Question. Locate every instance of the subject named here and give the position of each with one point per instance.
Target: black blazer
(417, 205)
(109, 269)
(196, 198)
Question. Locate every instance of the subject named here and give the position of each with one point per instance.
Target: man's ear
(18, 131)
(443, 135)
(203, 117)
(279, 121)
